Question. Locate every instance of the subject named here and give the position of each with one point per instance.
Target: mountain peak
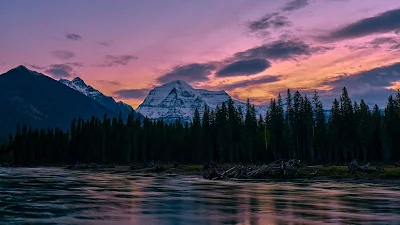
(180, 82)
(78, 80)
(21, 67)
(177, 83)
(177, 99)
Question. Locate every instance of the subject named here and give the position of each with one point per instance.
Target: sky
(252, 49)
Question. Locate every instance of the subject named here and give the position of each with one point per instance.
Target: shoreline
(391, 173)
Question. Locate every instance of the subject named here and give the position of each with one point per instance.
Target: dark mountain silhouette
(29, 97)
(107, 101)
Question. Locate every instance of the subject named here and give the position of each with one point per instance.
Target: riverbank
(337, 172)
(308, 172)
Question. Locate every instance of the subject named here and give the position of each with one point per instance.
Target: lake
(60, 196)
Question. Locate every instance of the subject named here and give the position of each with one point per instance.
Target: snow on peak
(78, 80)
(178, 99)
(79, 85)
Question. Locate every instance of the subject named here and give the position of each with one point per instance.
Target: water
(59, 196)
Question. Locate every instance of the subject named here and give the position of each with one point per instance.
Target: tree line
(295, 127)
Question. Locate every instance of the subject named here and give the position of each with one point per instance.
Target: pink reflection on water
(54, 195)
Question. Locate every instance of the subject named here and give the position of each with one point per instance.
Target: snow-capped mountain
(79, 85)
(178, 99)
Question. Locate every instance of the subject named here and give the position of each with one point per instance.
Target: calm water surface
(59, 196)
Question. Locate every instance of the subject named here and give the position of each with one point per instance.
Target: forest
(295, 127)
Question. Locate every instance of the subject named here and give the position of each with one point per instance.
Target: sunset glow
(251, 49)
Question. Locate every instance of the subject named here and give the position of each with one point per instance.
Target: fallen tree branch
(276, 169)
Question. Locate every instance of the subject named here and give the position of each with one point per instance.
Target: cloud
(251, 61)
(73, 37)
(118, 60)
(356, 47)
(244, 67)
(295, 5)
(390, 43)
(250, 82)
(282, 50)
(377, 42)
(60, 71)
(75, 64)
(36, 67)
(190, 73)
(108, 82)
(105, 44)
(269, 21)
(132, 93)
(371, 85)
(395, 47)
(61, 54)
(381, 23)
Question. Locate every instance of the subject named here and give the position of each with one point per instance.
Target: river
(59, 196)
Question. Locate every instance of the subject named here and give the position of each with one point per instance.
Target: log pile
(88, 166)
(354, 168)
(277, 169)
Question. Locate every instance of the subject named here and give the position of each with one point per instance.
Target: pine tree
(320, 128)
(308, 130)
(206, 126)
(376, 132)
(289, 125)
(251, 130)
(347, 126)
(197, 139)
(364, 130)
(334, 132)
(297, 129)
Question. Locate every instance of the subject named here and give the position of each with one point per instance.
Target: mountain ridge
(32, 98)
(107, 101)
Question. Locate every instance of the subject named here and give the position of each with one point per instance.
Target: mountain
(178, 99)
(79, 85)
(29, 97)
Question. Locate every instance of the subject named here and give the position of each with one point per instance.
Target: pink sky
(135, 45)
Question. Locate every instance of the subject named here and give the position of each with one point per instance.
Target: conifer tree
(320, 128)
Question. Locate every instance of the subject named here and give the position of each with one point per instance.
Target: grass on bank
(333, 171)
(319, 171)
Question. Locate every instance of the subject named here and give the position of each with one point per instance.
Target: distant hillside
(29, 97)
(79, 85)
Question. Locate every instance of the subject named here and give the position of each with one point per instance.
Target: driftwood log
(89, 166)
(354, 167)
(277, 169)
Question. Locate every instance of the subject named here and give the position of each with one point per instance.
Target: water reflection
(58, 196)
